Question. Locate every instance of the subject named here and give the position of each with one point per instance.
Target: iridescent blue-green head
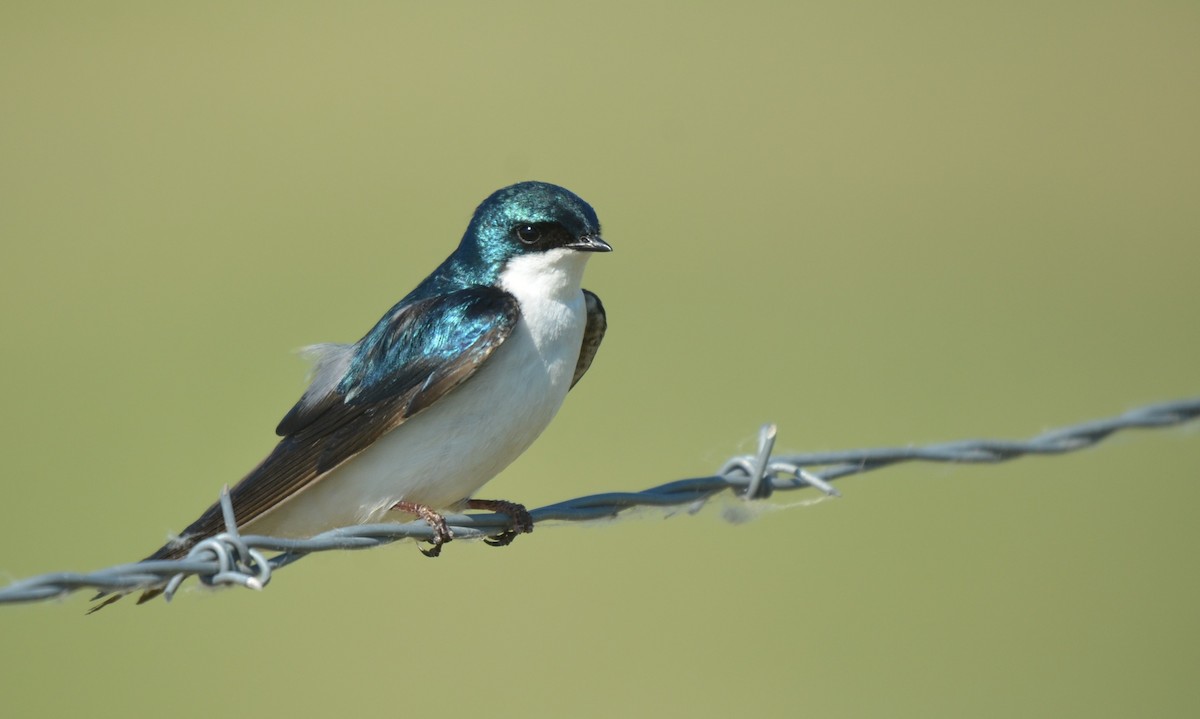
(520, 221)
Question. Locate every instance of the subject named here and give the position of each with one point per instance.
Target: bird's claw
(435, 550)
(441, 535)
(522, 522)
(441, 532)
(502, 539)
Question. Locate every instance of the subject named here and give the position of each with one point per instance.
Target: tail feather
(105, 603)
(175, 549)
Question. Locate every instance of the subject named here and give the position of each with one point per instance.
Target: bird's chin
(552, 274)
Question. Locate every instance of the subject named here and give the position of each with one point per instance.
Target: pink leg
(522, 523)
(441, 533)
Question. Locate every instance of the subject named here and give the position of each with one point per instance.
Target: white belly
(446, 453)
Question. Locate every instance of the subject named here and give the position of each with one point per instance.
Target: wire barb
(237, 562)
(232, 559)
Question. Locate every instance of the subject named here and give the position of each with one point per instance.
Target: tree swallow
(450, 386)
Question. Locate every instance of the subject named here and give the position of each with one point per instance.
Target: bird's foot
(441, 532)
(522, 523)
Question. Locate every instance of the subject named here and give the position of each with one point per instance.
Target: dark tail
(176, 549)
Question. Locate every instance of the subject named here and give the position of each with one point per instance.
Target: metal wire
(232, 559)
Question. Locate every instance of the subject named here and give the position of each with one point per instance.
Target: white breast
(444, 455)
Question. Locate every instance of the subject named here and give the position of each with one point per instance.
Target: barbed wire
(232, 559)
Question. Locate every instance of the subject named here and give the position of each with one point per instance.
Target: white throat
(548, 285)
(552, 275)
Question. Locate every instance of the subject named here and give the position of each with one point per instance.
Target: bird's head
(545, 223)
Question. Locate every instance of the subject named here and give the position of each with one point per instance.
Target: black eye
(528, 234)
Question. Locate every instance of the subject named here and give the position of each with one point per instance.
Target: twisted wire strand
(233, 559)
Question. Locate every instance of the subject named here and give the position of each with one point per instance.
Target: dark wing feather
(416, 354)
(593, 334)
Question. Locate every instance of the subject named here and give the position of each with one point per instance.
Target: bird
(451, 385)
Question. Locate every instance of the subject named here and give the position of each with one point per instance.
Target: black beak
(589, 243)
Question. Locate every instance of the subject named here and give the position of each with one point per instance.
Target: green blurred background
(873, 223)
